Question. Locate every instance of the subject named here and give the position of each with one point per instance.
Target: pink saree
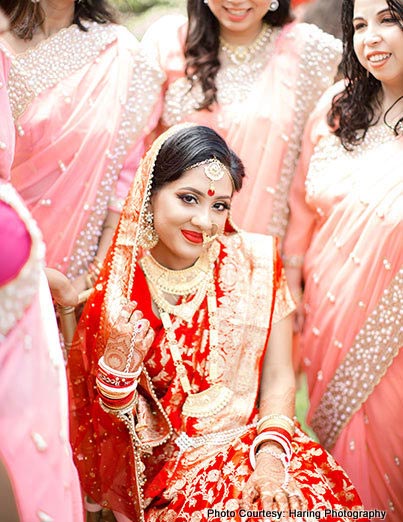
(81, 102)
(261, 111)
(34, 445)
(6, 126)
(346, 218)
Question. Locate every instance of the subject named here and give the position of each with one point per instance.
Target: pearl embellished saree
(262, 108)
(34, 436)
(346, 217)
(204, 459)
(34, 440)
(81, 102)
(6, 127)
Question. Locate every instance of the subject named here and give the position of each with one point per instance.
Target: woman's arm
(270, 480)
(277, 389)
(8, 507)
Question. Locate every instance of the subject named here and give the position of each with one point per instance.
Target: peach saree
(261, 111)
(34, 444)
(346, 217)
(80, 101)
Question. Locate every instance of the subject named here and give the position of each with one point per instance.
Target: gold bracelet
(276, 417)
(275, 424)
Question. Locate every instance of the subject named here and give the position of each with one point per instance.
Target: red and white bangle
(268, 436)
(117, 389)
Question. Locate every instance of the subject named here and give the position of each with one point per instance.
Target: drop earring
(148, 236)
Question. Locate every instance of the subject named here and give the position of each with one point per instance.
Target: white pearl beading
(221, 438)
(45, 65)
(18, 294)
(319, 56)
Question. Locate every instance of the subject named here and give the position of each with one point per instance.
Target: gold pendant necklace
(217, 396)
(239, 54)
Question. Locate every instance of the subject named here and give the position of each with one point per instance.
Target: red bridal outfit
(199, 460)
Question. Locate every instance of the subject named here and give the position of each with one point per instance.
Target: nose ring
(209, 238)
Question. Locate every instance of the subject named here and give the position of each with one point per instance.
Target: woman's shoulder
(319, 115)
(253, 244)
(123, 33)
(164, 40)
(166, 28)
(311, 34)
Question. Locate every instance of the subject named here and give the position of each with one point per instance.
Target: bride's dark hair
(189, 146)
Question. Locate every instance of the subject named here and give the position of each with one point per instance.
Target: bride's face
(183, 210)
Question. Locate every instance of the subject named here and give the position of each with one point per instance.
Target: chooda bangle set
(117, 389)
(274, 428)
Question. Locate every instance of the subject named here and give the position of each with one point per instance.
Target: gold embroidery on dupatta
(284, 304)
(244, 312)
(367, 361)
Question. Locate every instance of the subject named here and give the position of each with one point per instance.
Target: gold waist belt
(220, 438)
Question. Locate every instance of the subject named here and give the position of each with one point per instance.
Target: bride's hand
(266, 483)
(129, 341)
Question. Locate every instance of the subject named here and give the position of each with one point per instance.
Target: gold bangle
(267, 425)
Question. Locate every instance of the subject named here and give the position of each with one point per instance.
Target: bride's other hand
(130, 339)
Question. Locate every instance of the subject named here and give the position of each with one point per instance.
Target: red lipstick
(193, 237)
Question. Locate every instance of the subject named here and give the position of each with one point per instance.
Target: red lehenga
(208, 472)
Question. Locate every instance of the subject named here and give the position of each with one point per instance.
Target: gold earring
(148, 236)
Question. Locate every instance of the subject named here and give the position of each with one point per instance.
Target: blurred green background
(137, 15)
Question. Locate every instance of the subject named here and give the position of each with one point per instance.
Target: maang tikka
(214, 170)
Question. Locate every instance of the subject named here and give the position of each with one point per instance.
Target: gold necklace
(180, 282)
(217, 396)
(239, 54)
(176, 282)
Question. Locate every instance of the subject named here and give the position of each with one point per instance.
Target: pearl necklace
(239, 54)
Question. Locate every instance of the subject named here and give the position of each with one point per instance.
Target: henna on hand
(129, 341)
(266, 484)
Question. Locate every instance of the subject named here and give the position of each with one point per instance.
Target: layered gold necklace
(239, 54)
(198, 279)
